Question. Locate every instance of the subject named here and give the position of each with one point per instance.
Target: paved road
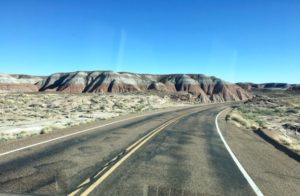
(58, 167)
(185, 158)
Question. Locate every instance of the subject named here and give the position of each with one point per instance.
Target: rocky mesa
(205, 88)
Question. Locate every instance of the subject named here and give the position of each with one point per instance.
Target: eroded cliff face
(206, 89)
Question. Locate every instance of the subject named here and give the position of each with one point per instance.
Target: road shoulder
(273, 171)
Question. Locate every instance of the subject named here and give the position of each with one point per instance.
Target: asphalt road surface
(186, 157)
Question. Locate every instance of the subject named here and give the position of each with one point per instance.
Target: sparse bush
(292, 111)
(44, 131)
(285, 141)
(139, 107)
(49, 129)
(118, 105)
(278, 111)
(227, 118)
(22, 134)
(235, 116)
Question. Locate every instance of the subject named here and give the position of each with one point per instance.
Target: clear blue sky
(236, 40)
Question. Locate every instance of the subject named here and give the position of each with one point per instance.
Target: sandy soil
(28, 114)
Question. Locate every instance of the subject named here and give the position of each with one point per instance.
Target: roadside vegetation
(278, 117)
(22, 115)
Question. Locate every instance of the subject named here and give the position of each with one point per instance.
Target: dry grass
(288, 142)
(11, 136)
(50, 129)
(240, 120)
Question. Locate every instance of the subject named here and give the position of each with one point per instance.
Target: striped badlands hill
(207, 89)
(19, 83)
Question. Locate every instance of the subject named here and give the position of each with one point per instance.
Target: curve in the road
(105, 174)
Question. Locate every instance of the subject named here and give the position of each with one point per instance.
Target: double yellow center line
(113, 164)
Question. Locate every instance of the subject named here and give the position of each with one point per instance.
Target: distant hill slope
(207, 89)
(276, 86)
(19, 83)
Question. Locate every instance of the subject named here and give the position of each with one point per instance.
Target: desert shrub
(22, 134)
(141, 101)
(266, 111)
(227, 117)
(278, 111)
(260, 123)
(93, 100)
(285, 141)
(138, 107)
(44, 130)
(292, 111)
(4, 137)
(49, 129)
(239, 119)
(118, 105)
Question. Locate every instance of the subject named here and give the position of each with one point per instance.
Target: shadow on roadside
(277, 145)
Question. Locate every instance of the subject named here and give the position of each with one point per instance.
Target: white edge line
(244, 172)
(71, 134)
